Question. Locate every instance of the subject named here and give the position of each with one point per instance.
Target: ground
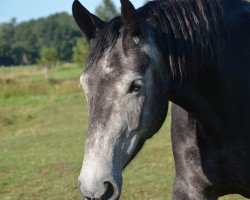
(42, 130)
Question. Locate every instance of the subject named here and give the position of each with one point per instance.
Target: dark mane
(195, 31)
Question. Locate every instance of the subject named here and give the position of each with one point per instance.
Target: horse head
(127, 92)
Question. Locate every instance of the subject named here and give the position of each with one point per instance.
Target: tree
(20, 43)
(60, 32)
(48, 58)
(80, 51)
(7, 32)
(25, 43)
(106, 11)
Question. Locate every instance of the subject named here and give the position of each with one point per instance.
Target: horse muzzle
(106, 189)
(97, 180)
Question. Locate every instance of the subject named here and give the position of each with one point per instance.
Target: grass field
(42, 130)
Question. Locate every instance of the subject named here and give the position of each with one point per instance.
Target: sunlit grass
(42, 130)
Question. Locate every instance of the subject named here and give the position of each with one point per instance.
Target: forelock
(105, 40)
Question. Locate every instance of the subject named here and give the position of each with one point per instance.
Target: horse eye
(135, 86)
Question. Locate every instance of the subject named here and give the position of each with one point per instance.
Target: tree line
(57, 35)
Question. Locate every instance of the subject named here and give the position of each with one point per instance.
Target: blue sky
(24, 10)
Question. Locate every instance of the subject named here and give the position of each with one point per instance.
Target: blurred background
(43, 112)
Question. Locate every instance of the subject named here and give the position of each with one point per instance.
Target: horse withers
(195, 53)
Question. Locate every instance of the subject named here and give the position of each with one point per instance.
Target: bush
(80, 51)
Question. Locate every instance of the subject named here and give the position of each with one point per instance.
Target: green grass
(42, 130)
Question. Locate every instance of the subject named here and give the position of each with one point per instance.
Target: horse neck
(205, 73)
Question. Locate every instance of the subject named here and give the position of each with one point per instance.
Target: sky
(24, 10)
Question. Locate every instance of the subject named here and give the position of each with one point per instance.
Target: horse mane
(195, 33)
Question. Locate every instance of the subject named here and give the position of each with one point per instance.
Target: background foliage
(20, 44)
(107, 10)
(80, 51)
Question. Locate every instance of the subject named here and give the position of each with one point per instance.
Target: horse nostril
(109, 190)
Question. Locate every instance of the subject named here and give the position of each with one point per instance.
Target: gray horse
(195, 53)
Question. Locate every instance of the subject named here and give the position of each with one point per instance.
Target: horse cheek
(134, 116)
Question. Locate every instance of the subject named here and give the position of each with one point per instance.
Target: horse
(193, 53)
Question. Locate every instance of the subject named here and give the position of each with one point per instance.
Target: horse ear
(87, 22)
(131, 18)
